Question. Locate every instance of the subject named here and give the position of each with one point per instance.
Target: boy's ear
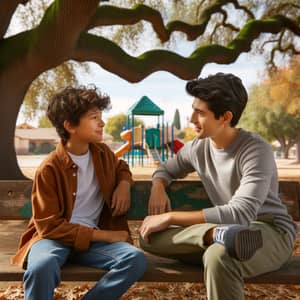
(69, 127)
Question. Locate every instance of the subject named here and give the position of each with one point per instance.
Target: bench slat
(159, 269)
(184, 195)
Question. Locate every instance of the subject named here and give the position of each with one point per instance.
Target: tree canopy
(274, 107)
(79, 30)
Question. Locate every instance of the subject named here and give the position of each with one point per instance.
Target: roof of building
(24, 126)
(37, 134)
(43, 134)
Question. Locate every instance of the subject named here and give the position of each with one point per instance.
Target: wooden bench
(185, 195)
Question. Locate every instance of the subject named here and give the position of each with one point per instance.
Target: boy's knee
(44, 266)
(139, 259)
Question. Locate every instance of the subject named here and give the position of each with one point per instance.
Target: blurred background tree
(274, 107)
(176, 120)
(116, 124)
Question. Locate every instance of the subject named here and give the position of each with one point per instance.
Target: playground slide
(153, 153)
(125, 135)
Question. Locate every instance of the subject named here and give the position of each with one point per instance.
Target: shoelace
(219, 234)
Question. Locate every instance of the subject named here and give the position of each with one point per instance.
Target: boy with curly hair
(81, 193)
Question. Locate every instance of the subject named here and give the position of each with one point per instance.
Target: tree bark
(24, 56)
(298, 152)
(11, 98)
(285, 150)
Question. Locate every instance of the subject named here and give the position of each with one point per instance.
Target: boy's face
(90, 127)
(204, 121)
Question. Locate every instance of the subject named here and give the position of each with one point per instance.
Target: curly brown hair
(71, 103)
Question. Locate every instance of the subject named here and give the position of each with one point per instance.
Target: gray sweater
(241, 180)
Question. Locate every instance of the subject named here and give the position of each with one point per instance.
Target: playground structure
(126, 135)
(158, 143)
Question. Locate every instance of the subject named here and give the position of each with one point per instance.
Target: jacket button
(73, 166)
(74, 194)
(74, 174)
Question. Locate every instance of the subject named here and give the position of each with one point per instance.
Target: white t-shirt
(89, 199)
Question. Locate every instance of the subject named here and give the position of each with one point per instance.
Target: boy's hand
(159, 201)
(121, 199)
(153, 224)
(110, 236)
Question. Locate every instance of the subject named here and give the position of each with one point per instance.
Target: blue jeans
(125, 265)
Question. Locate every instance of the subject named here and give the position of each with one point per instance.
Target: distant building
(31, 140)
(35, 140)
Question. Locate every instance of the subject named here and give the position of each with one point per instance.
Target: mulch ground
(163, 291)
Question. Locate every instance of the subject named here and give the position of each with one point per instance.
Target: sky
(164, 89)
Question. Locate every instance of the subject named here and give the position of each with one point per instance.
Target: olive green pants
(223, 275)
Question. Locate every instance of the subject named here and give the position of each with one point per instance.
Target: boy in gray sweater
(248, 231)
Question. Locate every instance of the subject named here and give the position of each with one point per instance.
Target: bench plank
(159, 269)
(15, 209)
(184, 194)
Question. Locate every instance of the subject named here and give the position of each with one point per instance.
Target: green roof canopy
(145, 107)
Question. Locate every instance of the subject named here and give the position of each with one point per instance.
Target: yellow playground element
(127, 136)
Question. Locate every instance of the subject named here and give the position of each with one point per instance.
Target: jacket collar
(66, 160)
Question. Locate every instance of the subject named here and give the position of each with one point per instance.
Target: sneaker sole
(246, 243)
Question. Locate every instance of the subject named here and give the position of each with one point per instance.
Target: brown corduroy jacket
(53, 194)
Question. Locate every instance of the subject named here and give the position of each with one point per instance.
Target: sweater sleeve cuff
(83, 239)
(167, 178)
(211, 215)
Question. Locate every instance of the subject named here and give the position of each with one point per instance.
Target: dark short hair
(71, 103)
(221, 92)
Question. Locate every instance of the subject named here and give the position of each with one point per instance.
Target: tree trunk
(286, 152)
(26, 55)
(298, 152)
(9, 167)
(13, 87)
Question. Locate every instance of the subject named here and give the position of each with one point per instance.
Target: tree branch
(112, 58)
(283, 7)
(14, 48)
(244, 8)
(280, 48)
(222, 24)
(111, 15)
(60, 28)
(228, 25)
(7, 9)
